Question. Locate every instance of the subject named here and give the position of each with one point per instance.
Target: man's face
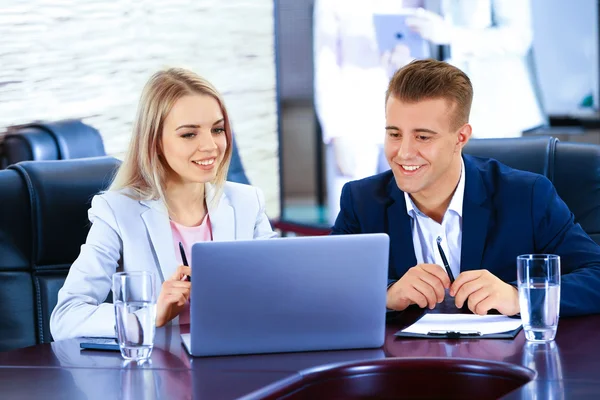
(422, 145)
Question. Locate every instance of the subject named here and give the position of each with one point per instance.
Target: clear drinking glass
(539, 295)
(134, 298)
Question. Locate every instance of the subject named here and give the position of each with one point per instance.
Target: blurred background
(304, 79)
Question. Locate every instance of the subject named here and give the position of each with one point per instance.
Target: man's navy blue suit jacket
(506, 213)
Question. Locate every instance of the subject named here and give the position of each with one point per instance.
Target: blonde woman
(170, 188)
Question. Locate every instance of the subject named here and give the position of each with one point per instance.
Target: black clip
(454, 334)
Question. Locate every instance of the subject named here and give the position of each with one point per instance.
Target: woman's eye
(188, 135)
(219, 130)
(424, 138)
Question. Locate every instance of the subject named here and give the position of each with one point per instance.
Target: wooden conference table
(436, 368)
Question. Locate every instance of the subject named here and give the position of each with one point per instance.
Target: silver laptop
(287, 295)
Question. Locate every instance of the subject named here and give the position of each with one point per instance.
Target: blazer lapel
(402, 251)
(156, 219)
(222, 217)
(476, 219)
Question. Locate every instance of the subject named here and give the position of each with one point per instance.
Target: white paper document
(463, 323)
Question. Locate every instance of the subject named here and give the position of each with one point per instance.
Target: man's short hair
(432, 79)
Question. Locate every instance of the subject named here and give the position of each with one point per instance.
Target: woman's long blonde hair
(144, 169)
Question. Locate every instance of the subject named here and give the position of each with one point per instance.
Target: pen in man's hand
(184, 260)
(444, 259)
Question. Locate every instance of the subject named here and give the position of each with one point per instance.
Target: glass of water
(134, 298)
(539, 295)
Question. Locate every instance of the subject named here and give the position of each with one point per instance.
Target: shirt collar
(456, 204)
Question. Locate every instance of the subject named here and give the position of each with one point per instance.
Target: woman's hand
(174, 293)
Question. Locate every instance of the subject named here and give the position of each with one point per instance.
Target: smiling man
(478, 213)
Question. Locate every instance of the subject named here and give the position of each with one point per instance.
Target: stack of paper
(463, 323)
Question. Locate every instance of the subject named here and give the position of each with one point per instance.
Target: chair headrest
(60, 193)
(533, 154)
(29, 143)
(73, 138)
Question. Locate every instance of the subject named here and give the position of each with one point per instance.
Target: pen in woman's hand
(184, 260)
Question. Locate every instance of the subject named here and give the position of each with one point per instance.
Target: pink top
(188, 235)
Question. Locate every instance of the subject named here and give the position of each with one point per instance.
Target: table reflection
(165, 373)
(138, 381)
(544, 358)
(485, 349)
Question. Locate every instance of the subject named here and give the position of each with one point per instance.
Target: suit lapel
(402, 251)
(476, 219)
(222, 217)
(156, 219)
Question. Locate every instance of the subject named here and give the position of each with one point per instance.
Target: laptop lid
(290, 294)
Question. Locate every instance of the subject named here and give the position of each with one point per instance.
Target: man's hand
(423, 285)
(174, 293)
(483, 291)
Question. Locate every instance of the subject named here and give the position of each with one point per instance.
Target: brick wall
(89, 59)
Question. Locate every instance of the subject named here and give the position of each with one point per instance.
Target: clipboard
(456, 331)
(460, 334)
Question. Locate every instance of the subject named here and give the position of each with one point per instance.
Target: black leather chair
(533, 154)
(573, 168)
(60, 140)
(17, 296)
(43, 222)
(577, 180)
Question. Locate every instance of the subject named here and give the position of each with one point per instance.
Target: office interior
(71, 74)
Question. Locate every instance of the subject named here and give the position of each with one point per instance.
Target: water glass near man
(539, 295)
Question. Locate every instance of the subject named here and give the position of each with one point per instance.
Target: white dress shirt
(425, 230)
